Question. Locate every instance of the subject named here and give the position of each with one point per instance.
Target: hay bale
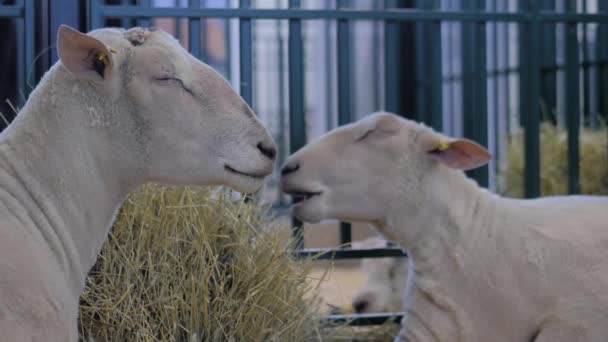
(554, 162)
(182, 266)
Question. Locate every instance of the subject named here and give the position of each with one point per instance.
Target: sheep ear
(83, 55)
(461, 154)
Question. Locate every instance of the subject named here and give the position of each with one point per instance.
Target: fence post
(474, 87)
(529, 86)
(549, 63)
(344, 92)
(297, 121)
(194, 30)
(391, 62)
(245, 55)
(572, 101)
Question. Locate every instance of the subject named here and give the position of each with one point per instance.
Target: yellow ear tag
(443, 145)
(103, 58)
(114, 51)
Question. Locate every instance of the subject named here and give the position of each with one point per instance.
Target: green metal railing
(536, 21)
(23, 14)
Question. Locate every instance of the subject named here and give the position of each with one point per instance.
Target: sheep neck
(438, 234)
(72, 172)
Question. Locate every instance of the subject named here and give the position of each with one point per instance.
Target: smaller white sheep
(487, 268)
(384, 289)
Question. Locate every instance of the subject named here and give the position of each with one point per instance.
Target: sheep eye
(173, 80)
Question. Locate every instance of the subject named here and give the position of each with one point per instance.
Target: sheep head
(359, 171)
(189, 125)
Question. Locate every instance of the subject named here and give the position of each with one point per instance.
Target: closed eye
(365, 135)
(174, 81)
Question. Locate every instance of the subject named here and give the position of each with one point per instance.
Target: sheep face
(189, 125)
(361, 171)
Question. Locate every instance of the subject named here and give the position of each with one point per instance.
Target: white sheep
(386, 281)
(120, 108)
(486, 268)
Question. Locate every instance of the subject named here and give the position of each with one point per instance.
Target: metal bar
(529, 36)
(347, 253)
(548, 52)
(572, 17)
(96, 15)
(495, 109)
(572, 102)
(602, 60)
(391, 62)
(344, 99)
(194, 28)
(475, 106)
(508, 76)
(297, 121)
(144, 21)
(21, 65)
(365, 319)
(313, 14)
(245, 57)
(436, 110)
(125, 22)
(30, 44)
(422, 69)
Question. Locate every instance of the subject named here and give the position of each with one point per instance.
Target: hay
(182, 266)
(554, 162)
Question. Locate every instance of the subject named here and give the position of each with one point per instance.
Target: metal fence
(484, 71)
(22, 14)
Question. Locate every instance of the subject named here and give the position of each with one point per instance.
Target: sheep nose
(360, 306)
(289, 168)
(269, 151)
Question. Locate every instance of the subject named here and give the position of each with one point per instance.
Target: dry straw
(185, 265)
(554, 162)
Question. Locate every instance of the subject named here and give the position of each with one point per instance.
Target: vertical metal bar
(548, 53)
(194, 28)
(585, 66)
(95, 17)
(30, 44)
(436, 98)
(21, 64)
(281, 98)
(145, 22)
(177, 22)
(391, 63)
(344, 100)
(245, 57)
(423, 69)
(297, 121)
(507, 73)
(124, 22)
(529, 88)
(475, 106)
(601, 42)
(572, 101)
(496, 78)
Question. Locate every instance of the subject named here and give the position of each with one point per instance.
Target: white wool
(486, 268)
(84, 140)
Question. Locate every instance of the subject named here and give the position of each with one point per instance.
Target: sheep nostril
(289, 168)
(270, 152)
(360, 306)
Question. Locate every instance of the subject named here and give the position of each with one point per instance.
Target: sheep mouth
(301, 196)
(259, 175)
